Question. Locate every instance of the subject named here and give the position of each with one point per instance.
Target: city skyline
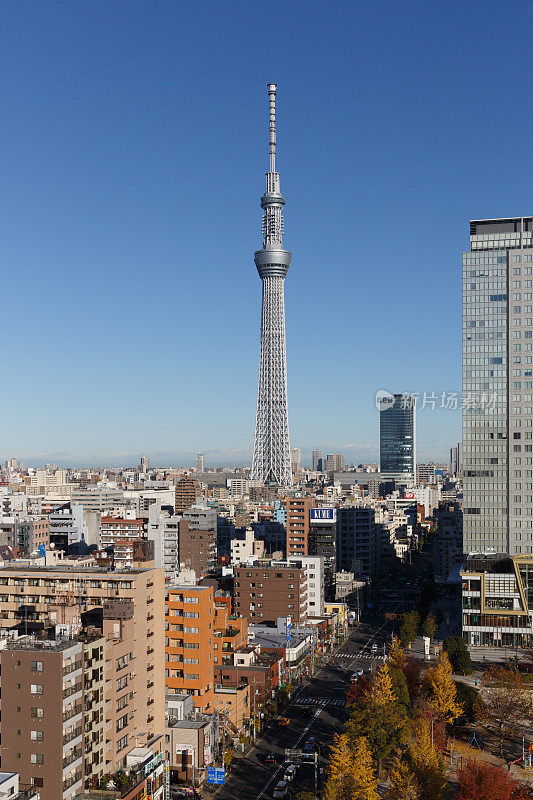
(108, 184)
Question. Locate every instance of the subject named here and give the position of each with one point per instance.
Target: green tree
(409, 629)
(458, 654)
(399, 687)
(470, 701)
(430, 626)
(378, 717)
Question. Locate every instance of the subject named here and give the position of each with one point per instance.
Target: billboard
(323, 515)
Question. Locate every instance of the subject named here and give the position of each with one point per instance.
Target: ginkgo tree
(442, 690)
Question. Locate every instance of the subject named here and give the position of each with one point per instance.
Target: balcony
(72, 667)
(72, 757)
(72, 690)
(68, 737)
(75, 778)
(71, 712)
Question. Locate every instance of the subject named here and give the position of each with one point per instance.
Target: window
(36, 688)
(191, 630)
(122, 682)
(122, 702)
(191, 614)
(191, 645)
(122, 722)
(36, 781)
(37, 736)
(37, 666)
(190, 599)
(37, 758)
(122, 743)
(36, 712)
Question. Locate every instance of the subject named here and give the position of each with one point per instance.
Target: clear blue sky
(133, 159)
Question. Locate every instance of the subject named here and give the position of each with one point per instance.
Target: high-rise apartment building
(456, 459)
(323, 536)
(200, 463)
(314, 570)
(42, 721)
(296, 459)
(498, 387)
(397, 439)
(317, 460)
(29, 594)
(197, 538)
(425, 473)
(163, 531)
(189, 644)
(297, 525)
(267, 591)
(334, 462)
(145, 464)
(356, 540)
(186, 494)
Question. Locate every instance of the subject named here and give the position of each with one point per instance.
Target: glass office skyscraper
(397, 443)
(498, 387)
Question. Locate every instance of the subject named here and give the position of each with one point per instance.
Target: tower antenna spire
(272, 125)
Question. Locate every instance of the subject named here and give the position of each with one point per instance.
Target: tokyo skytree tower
(271, 463)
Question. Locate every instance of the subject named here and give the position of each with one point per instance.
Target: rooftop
(67, 569)
(32, 643)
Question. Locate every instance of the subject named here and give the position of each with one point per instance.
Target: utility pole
(253, 709)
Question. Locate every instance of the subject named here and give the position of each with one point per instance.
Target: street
(324, 695)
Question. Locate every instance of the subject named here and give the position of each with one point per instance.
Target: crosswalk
(320, 701)
(362, 654)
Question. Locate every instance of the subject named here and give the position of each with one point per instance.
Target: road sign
(216, 775)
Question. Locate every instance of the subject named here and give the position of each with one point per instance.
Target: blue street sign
(216, 775)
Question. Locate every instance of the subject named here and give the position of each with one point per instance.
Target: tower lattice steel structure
(271, 462)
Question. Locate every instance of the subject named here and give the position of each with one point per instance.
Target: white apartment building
(246, 548)
(163, 531)
(314, 571)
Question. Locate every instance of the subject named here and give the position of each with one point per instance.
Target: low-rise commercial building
(497, 599)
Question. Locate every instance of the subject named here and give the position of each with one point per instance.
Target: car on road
(290, 772)
(284, 722)
(354, 677)
(281, 789)
(309, 745)
(374, 648)
(359, 672)
(269, 758)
